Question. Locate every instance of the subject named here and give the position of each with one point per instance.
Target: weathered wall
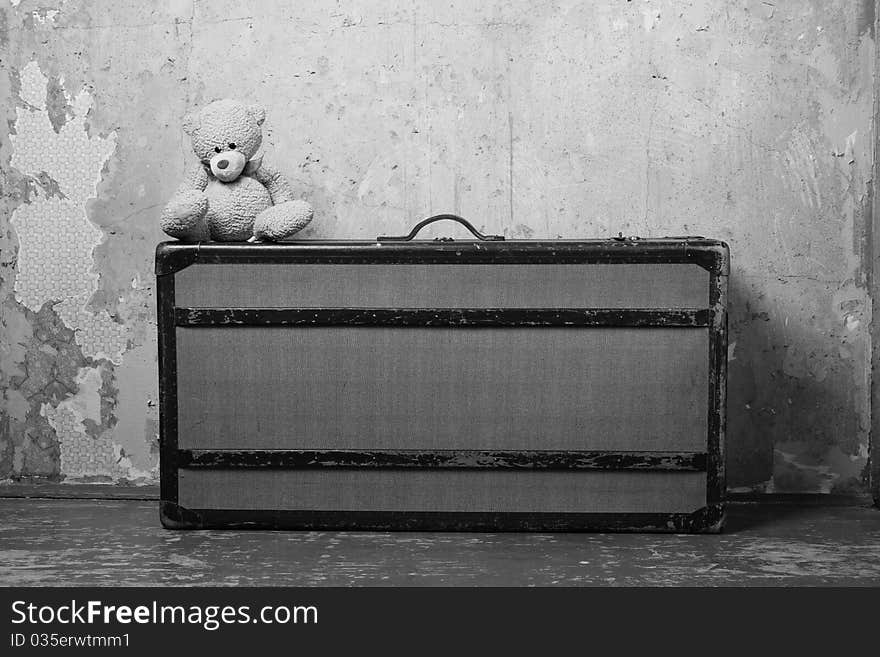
(746, 121)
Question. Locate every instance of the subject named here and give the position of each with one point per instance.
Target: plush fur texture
(232, 195)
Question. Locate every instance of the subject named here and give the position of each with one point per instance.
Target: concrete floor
(120, 542)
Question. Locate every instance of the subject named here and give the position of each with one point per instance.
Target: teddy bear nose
(222, 164)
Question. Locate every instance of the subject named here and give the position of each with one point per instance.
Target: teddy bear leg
(283, 220)
(184, 217)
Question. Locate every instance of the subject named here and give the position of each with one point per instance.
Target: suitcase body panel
(439, 385)
(442, 388)
(622, 285)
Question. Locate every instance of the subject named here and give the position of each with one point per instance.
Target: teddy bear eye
(232, 145)
(216, 149)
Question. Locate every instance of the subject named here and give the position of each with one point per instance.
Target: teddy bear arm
(183, 217)
(275, 182)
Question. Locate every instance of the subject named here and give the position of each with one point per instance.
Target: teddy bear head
(225, 136)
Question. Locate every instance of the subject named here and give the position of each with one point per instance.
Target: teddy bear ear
(190, 122)
(258, 112)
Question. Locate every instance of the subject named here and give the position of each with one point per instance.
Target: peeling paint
(55, 236)
(54, 266)
(82, 456)
(136, 429)
(45, 15)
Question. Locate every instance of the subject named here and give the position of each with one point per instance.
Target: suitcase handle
(440, 217)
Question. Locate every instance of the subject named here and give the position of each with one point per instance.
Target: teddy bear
(232, 194)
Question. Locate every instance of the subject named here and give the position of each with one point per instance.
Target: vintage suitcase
(446, 385)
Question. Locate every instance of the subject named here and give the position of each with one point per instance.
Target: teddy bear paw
(184, 217)
(283, 220)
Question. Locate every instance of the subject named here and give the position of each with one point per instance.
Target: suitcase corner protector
(174, 516)
(714, 518)
(716, 527)
(172, 257)
(714, 257)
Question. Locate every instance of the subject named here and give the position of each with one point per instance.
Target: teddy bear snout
(228, 165)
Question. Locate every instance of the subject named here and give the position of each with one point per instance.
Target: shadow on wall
(793, 419)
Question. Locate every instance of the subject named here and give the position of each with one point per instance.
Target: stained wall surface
(747, 121)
